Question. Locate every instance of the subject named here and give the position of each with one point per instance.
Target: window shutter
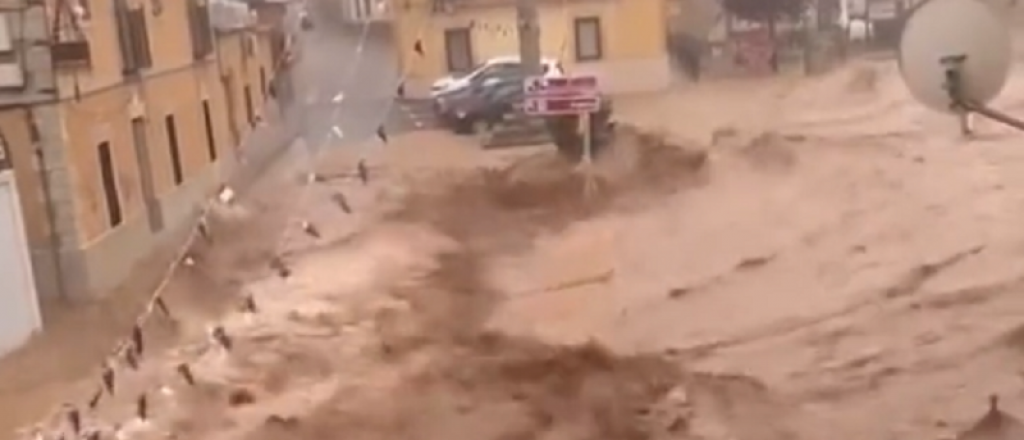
(141, 38)
(129, 64)
(199, 25)
(207, 27)
(193, 24)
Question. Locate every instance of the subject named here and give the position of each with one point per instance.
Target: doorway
(19, 312)
(458, 49)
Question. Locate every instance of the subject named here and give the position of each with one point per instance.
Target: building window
(458, 49)
(133, 36)
(250, 111)
(200, 29)
(5, 160)
(369, 8)
(110, 191)
(263, 83)
(12, 76)
(442, 6)
(589, 46)
(172, 145)
(231, 103)
(211, 140)
(359, 10)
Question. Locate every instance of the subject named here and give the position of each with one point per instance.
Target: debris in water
(287, 422)
(678, 292)
(240, 397)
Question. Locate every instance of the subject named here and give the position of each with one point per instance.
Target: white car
(551, 67)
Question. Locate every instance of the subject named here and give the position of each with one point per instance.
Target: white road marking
(337, 132)
(339, 97)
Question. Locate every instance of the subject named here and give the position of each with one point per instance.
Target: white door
(19, 307)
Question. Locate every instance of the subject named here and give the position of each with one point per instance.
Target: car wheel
(484, 132)
(481, 126)
(463, 126)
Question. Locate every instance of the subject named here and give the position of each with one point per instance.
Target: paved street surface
(50, 370)
(412, 114)
(351, 92)
(785, 258)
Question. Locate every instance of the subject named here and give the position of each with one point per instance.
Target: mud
(544, 193)
(832, 269)
(468, 380)
(503, 387)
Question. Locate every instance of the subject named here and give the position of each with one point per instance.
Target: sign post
(589, 183)
(567, 96)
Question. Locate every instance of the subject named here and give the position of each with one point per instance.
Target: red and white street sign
(561, 106)
(560, 84)
(547, 96)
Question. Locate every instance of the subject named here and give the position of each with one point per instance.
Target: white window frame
(6, 37)
(589, 38)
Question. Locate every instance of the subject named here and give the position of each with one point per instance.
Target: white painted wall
(19, 304)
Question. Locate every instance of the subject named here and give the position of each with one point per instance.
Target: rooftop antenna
(955, 57)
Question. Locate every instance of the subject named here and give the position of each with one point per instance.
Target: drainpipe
(51, 210)
(56, 241)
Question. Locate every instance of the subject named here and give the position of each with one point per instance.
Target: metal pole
(992, 114)
(589, 183)
(529, 36)
(588, 155)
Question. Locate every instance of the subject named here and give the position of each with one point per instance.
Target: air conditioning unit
(229, 15)
(75, 53)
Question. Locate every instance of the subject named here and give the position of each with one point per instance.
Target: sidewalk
(266, 143)
(52, 367)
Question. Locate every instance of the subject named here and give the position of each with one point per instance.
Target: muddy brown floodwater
(842, 266)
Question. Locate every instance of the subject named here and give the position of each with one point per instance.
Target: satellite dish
(939, 29)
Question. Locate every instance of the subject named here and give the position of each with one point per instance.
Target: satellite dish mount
(953, 66)
(955, 56)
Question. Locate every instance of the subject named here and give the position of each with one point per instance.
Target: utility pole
(529, 35)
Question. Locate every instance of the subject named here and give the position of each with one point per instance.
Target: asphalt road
(346, 83)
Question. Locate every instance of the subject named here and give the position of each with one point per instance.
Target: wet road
(346, 85)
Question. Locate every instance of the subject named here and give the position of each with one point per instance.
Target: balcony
(70, 48)
(230, 15)
(71, 54)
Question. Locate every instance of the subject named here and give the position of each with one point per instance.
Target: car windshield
(508, 91)
(502, 90)
(474, 72)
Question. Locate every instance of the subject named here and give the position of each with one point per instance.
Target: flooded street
(844, 264)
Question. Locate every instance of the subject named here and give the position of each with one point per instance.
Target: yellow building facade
(622, 42)
(149, 126)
